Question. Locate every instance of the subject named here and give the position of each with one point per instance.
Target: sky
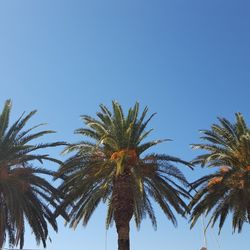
(189, 61)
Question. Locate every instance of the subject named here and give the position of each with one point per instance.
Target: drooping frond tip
(4, 116)
(8, 103)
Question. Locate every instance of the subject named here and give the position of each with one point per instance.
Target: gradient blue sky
(188, 60)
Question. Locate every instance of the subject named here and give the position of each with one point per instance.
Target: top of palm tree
(115, 131)
(14, 142)
(24, 194)
(114, 155)
(227, 190)
(228, 144)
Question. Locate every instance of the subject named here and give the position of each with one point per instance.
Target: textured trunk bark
(4, 173)
(123, 237)
(124, 207)
(1, 236)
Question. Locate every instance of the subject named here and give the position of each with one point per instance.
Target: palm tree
(110, 167)
(228, 189)
(24, 194)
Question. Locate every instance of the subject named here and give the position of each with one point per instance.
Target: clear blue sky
(188, 60)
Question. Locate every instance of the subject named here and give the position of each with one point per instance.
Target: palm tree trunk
(123, 237)
(1, 241)
(123, 212)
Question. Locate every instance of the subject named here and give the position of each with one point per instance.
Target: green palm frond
(110, 168)
(227, 190)
(24, 195)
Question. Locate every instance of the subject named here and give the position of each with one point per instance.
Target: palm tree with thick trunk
(25, 195)
(112, 167)
(226, 191)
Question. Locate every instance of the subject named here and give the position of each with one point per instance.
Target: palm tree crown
(24, 194)
(112, 169)
(228, 189)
